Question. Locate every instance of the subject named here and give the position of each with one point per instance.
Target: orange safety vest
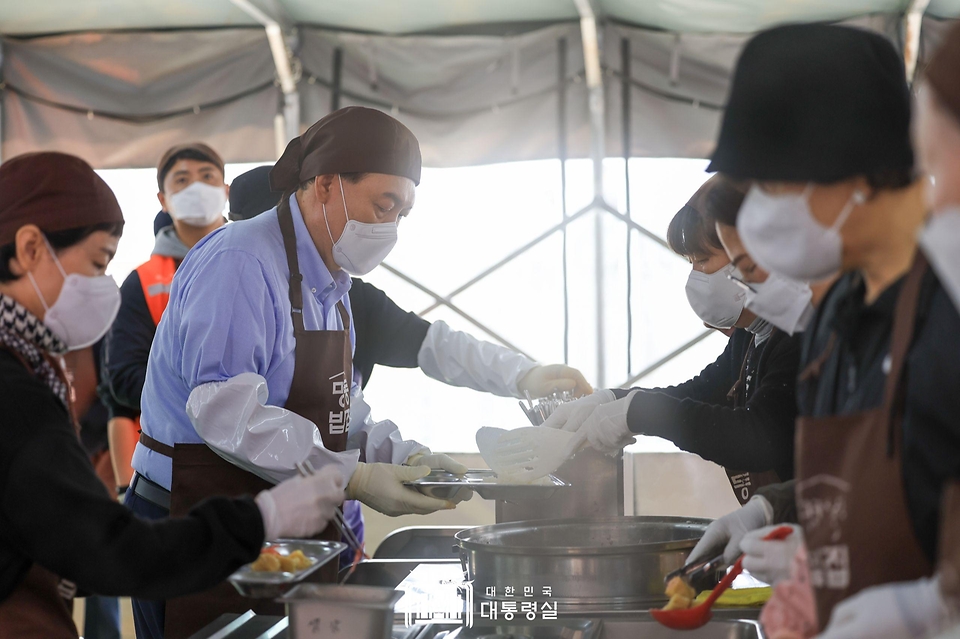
(156, 276)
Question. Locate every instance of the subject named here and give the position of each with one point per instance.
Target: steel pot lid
(611, 535)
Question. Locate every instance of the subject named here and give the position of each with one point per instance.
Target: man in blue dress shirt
(222, 365)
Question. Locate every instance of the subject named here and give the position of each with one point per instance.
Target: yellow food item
(266, 562)
(272, 561)
(681, 594)
(677, 586)
(679, 602)
(740, 597)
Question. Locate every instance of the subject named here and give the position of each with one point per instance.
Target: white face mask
(940, 241)
(782, 302)
(84, 310)
(361, 246)
(716, 299)
(199, 204)
(781, 234)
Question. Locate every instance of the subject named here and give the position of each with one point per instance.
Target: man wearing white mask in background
(192, 191)
(739, 411)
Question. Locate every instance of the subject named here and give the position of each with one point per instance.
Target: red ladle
(699, 615)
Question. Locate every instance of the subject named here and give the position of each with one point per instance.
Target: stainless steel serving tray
(270, 585)
(566, 629)
(444, 485)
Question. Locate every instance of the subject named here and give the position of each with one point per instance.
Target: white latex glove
(300, 507)
(571, 415)
(436, 460)
(892, 611)
(727, 531)
(380, 486)
(770, 561)
(444, 462)
(605, 429)
(542, 381)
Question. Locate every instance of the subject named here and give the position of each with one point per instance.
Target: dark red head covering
(350, 140)
(55, 191)
(943, 72)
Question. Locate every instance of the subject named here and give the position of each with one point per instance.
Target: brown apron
(35, 609)
(320, 392)
(948, 544)
(850, 496)
(744, 483)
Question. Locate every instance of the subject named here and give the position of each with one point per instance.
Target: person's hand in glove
(892, 611)
(770, 561)
(380, 486)
(300, 507)
(570, 416)
(443, 462)
(436, 460)
(605, 428)
(541, 381)
(725, 533)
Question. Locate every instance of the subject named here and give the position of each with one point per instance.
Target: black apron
(320, 392)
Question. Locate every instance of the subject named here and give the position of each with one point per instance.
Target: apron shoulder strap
(734, 392)
(285, 217)
(344, 315)
(901, 338)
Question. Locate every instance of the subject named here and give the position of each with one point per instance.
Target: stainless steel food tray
(444, 485)
(270, 585)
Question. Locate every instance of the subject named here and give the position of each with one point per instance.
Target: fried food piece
(300, 560)
(681, 594)
(677, 586)
(679, 602)
(266, 562)
(270, 560)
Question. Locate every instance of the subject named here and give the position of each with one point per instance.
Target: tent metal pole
(337, 78)
(667, 358)
(562, 153)
(625, 112)
(912, 25)
(590, 37)
(282, 62)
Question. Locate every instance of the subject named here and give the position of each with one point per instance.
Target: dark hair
(186, 154)
(692, 232)
(59, 240)
(722, 202)
(891, 179)
(353, 178)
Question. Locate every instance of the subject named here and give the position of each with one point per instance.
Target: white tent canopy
(478, 81)
(118, 81)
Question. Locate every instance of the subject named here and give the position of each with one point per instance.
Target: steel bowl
(609, 563)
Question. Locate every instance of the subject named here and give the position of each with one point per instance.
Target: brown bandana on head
(350, 140)
(56, 192)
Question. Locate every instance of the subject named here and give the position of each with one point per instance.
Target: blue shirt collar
(328, 288)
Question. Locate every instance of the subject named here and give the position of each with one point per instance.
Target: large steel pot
(610, 563)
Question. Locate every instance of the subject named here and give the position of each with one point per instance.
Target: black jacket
(55, 512)
(386, 334)
(126, 348)
(699, 417)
